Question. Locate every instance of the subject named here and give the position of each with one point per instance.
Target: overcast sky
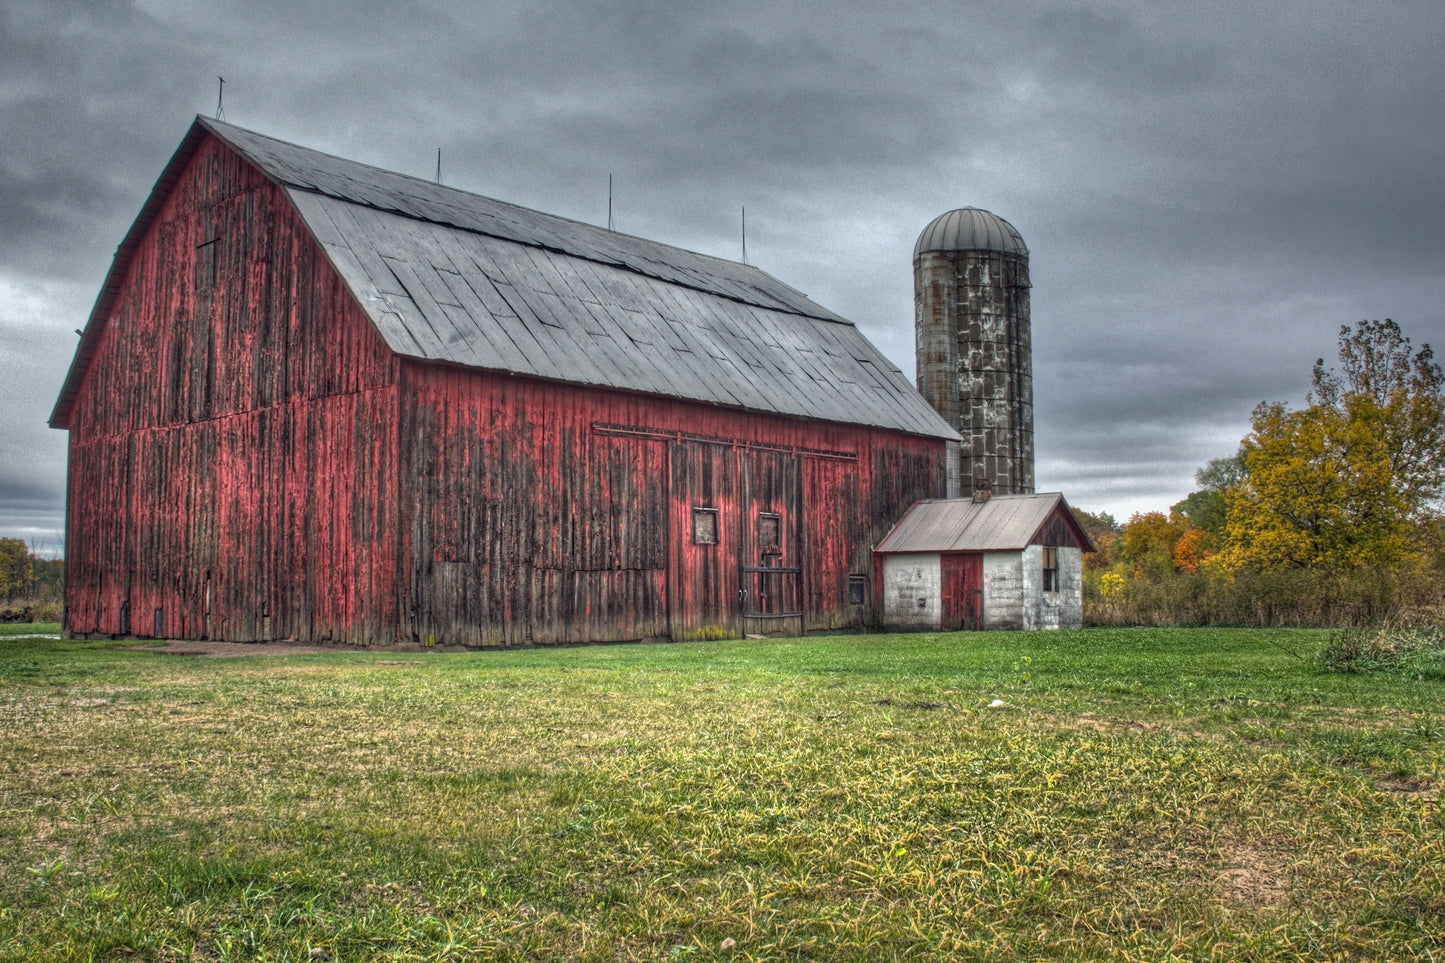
(1209, 190)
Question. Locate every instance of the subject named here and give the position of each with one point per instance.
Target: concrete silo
(971, 299)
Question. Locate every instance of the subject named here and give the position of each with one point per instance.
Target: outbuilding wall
(1061, 609)
(912, 591)
(1013, 595)
(1004, 589)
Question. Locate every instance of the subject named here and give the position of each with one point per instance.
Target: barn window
(1051, 568)
(770, 533)
(704, 526)
(857, 589)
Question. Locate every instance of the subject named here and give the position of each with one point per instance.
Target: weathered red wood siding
(249, 461)
(540, 512)
(232, 444)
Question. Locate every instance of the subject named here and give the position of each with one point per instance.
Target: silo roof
(970, 229)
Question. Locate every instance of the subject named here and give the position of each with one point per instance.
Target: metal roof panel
(1003, 523)
(697, 344)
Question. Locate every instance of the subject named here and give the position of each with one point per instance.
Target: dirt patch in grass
(1090, 721)
(1254, 886)
(1420, 787)
(1254, 876)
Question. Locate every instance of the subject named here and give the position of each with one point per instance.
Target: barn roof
(454, 277)
(1004, 523)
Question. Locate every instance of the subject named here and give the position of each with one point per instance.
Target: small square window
(857, 589)
(704, 526)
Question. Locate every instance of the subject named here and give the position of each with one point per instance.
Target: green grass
(12, 629)
(1141, 795)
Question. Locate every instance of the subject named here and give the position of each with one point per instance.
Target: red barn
(320, 401)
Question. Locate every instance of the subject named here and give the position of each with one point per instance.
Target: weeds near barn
(1138, 795)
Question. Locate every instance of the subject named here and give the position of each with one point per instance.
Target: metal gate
(772, 599)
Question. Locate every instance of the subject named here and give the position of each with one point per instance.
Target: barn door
(702, 583)
(771, 569)
(962, 577)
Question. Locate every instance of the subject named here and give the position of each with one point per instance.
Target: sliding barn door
(736, 565)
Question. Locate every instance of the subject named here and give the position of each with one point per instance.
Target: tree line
(1326, 515)
(30, 584)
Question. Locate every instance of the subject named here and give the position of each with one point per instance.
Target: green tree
(14, 568)
(47, 576)
(1205, 508)
(1350, 479)
(1397, 394)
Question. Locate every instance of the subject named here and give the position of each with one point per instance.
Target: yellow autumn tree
(1348, 480)
(1147, 545)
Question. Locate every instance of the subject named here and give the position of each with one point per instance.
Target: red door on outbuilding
(962, 577)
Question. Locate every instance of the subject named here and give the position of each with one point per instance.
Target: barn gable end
(230, 472)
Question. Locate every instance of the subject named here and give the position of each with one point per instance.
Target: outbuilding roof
(1003, 523)
(454, 277)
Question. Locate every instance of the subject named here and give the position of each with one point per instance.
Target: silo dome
(970, 229)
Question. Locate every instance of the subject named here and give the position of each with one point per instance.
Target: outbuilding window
(1051, 568)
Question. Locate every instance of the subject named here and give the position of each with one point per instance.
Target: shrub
(47, 610)
(1414, 646)
(1265, 598)
(34, 611)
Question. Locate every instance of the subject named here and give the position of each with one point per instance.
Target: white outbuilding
(1001, 562)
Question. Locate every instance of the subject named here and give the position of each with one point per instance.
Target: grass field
(15, 629)
(1139, 795)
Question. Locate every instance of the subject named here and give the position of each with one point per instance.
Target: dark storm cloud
(81, 92)
(1208, 190)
